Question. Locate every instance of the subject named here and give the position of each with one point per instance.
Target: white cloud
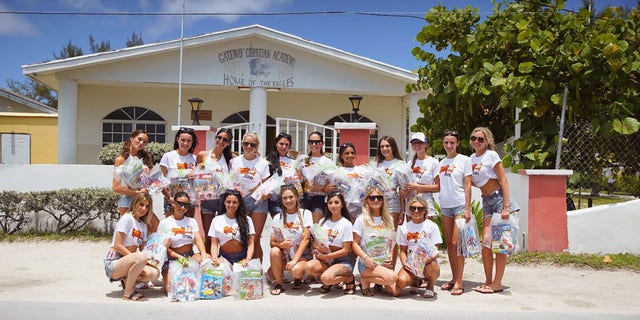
(15, 25)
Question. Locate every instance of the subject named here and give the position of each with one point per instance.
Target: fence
(599, 163)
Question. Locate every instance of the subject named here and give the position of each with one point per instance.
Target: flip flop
(447, 286)
(277, 289)
(488, 290)
(297, 284)
(135, 296)
(457, 291)
(428, 294)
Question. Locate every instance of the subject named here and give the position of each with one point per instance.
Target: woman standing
(179, 163)
(315, 193)
(487, 173)
(387, 157)
(408, 236)
(251, 171)
(297, 223)
(182, 234)
(355, 176)
(334, 263)
(424, 170)
(455, 200)
(232, 231)
(281, 164)
(134, 147)
(218, 160)
(126, 261)
(375, 216)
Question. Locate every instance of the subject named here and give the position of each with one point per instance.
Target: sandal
(135, 296)
(378, 288)
(367, 292)
(447, 286)
(428, 294)
(325, 288)
(457, 291)
(350, 287)
(277, 289)
(297, 284)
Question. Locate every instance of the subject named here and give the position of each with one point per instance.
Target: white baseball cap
(419, 136)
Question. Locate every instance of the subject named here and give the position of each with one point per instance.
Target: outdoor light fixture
(195, 106)
(355, 106)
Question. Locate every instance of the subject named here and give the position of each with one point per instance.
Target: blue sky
(33, 38)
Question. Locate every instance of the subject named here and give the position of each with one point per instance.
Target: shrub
(109, 152)
(12, 212)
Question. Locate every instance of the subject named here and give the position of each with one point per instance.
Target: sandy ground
(63, 280)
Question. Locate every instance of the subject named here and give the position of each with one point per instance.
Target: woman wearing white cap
(424, 173)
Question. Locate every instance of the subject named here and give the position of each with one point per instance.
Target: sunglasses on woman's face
(416, 208)
(314, 141)
(222, 138)
(183, 204)
(250, 145)
(480, 139)
(376, 198)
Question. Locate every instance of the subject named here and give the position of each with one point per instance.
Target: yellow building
(28, 130)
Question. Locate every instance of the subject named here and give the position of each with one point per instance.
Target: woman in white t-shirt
(333, 262)
(387, 157)
(408, 235)
(316, 187)
(424, 170)
(487, 174)
(179, 163)
(125, 261)
(250, 171)
(354, 175)
(282, 165)
(182, 233)
(455, 200)
(291, 252)
(375, 216)
(232, 232)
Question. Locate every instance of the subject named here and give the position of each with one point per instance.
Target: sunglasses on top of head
(185, 130)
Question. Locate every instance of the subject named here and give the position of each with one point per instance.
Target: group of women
(326, 233)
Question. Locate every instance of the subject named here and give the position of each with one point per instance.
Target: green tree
(68, 51)
(522, 57)
(102, 47)
(135, 40)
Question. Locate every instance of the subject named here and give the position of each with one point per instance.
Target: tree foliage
(135, 40)
(523, 56)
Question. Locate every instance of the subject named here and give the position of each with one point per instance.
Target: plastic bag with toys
(504, 234)
(417, 258)
(248, 281)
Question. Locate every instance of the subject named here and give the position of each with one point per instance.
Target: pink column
(547, 210)
(357, 133)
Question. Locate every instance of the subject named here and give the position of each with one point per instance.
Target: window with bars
(118, 125)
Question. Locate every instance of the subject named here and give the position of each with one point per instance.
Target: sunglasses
(284, 135)
(250, 144)
(314, 141)
(232, 191)
(375, 198)
(185, 130)
(415, 208)
(183, 204)
(451, 133)
(221, 138)
(480, 139)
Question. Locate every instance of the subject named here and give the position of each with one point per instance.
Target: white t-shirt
(452, 173)
(219, 166)
(180, 232)
(387, 165)
(359, 227)
(315, 161)
(294, 225)
(338, 232)
(250, 173)
(424, 172)
(225, 229)
(135, 232)
(481, 168)
(409, 233)
(177, 165)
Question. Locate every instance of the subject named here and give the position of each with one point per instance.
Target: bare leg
(487, 254)
(501, 263)
(132, 267)
(276, 264)
(259, 219)
(449, 226)
(335, 274)
(297, 272)
(315, 268)
(206, 224)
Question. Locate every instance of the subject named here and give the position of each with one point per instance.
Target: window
(346, 117)
(118, 125)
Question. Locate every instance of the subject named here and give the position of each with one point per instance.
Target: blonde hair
(422, 201)
(251, 135)
(367, 216)
(139, 197)
(488, 135)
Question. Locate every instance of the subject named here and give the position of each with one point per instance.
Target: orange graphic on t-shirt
(475, 168)
(178, 230)
(289, 225)
(227, 230)
(333, 234)
(244, 170)
(388, 171)
(413, 236)
(416, 169)
(136, 233)
(182, 165)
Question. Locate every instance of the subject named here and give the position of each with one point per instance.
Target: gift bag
(469, 240)
(129, 173)
(417, 258)
(183, 184)
(154, 181)
(270, 187)
(183, 281)
(248, 280)
(211, 281)
(379, 243)
(504, 234)
(206, 185)
(155, 250)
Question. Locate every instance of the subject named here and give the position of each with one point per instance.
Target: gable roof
(45, 71)
(26, 101)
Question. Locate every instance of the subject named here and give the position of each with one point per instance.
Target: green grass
(38, 236)
(618, 261)
(597, 200)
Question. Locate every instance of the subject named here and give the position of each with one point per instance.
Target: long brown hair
(142, 154)
(394, 148)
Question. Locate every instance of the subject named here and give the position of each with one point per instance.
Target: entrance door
(16, 148)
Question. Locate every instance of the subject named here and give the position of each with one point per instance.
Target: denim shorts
(346, 260)
(234, 257)
(125, 201)
(210, 206)
(493, 203)
(251, 205)
(452, 212)
(110, 264)
(314, 203)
